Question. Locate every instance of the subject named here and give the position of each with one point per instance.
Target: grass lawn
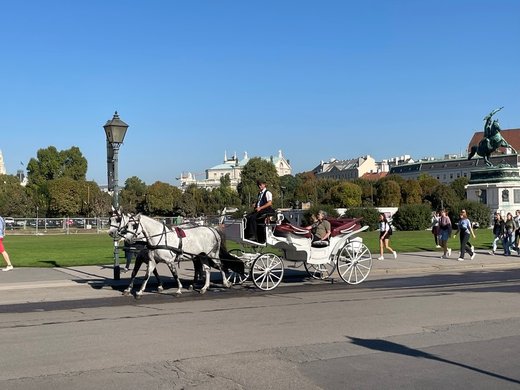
(97, 249)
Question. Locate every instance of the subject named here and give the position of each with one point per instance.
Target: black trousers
(253, 221)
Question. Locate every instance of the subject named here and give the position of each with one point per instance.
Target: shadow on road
(390, 347)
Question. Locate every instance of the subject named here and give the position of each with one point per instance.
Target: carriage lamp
(115, 131)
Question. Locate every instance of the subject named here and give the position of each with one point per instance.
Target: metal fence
(55, 225)
(87, 225)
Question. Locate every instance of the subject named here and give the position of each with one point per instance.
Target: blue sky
(316, 79)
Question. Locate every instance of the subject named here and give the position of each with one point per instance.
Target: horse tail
(472, 152)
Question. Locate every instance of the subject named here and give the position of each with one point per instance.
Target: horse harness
(179, 252)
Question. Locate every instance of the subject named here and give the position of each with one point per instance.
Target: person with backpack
(444, 233)
(385, 231)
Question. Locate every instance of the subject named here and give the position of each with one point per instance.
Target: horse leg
(160, 287)
(171, 266)
(225, 281)
(137, 265)
(149, 270)
(207, 272)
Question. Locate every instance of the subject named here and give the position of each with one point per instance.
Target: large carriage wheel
(236, 277)
(321, 271)
(267, 271)
(354, 262)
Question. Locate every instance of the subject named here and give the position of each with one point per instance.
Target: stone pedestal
(497, 187)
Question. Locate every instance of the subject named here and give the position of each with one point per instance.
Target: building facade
(232, 167)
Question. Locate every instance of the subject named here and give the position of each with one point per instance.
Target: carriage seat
(284, 229)
(344, 225)
(320, 243)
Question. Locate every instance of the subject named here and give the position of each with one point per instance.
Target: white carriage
(344, 252)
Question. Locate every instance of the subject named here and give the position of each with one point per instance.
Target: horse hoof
(203, 291)
(160, 288)
(190, 288)
(138, 296)
(126, 293)
(178, 294)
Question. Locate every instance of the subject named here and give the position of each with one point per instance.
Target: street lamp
(115, 130)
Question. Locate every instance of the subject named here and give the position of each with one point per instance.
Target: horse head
(117, 222)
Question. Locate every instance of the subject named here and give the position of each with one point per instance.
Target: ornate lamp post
(115, 130)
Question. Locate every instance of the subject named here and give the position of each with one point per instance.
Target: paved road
(418, 322)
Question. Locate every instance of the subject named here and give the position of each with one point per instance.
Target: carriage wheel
(320, 271)
(267, 271)
(354, 262)
(236, 277)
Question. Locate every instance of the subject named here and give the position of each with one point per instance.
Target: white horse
(118, 221)
(201, 244)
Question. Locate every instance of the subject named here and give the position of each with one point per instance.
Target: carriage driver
(262, 208)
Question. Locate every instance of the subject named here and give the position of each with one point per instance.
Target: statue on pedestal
(492, 139)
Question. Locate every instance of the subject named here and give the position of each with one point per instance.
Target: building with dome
(232, 166)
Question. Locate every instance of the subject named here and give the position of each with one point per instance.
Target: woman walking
(445, 233)
(465, 230)
(385, 231)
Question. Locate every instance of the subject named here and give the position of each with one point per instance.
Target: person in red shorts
(9, 266)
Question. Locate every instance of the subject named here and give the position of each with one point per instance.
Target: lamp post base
(117, 272)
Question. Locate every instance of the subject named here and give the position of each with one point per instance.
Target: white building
(2, 165)
(349, 169)
(232, 167)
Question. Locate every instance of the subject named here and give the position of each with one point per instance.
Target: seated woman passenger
(320, 228)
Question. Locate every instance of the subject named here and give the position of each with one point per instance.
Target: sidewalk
(23, 285)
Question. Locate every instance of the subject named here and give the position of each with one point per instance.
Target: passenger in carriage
(262, 209)
(320, 229)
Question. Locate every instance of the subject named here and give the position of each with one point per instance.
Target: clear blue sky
(316, 79)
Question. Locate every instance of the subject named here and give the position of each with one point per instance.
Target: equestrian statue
(491, 141)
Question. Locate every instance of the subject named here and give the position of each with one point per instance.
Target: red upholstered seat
(284, 229)
(343, 225)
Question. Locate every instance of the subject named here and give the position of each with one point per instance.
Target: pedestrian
(465, 230)
(516, 219)
(444, 233)
(508, 234)
(5, 255)
(497, 231)
(435, 227)
(385, 231)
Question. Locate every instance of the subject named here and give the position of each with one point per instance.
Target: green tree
(443, 196)
(64, 197)
(412, 217)
(14, 198)
(411, 192)
(345, 194)
(193, 201)
(367, 191)
(388, 193)
(132, 196)
(459, 186)
(369, 215)
(255, 169)
(51, 164)
(162, 199)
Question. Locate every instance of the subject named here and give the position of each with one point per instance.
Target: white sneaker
(8, 268)
(380, 258)
(444, 257)
(437, 246)
(472, 249)
(395, 254)
(472, 256)
(449, 252)
(460, 259)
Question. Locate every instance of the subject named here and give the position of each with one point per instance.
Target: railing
(56, 225)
